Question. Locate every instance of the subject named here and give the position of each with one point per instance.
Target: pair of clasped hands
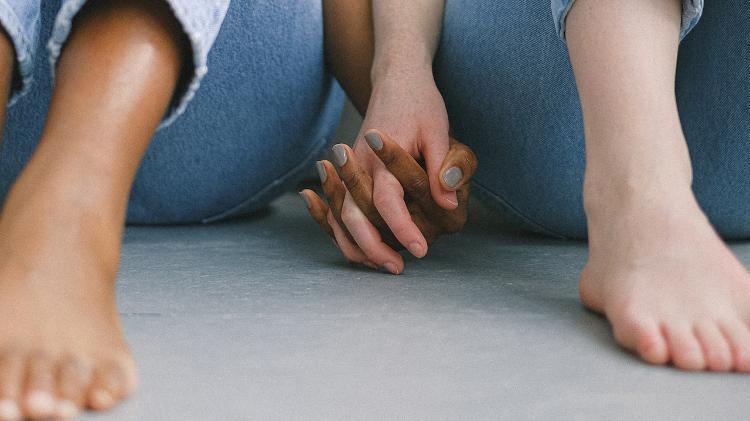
(403, 184)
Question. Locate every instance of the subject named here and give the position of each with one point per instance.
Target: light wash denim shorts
(200, 19)
(691, 14)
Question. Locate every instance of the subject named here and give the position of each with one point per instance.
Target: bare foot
(61, 342)
(671, 288)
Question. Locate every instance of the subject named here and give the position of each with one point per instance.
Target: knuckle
(418, 182)
(381, 201)
(351, 180)
(388, 158)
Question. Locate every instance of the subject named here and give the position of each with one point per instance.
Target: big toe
(651, 345)
(112, 382)
(643, 336)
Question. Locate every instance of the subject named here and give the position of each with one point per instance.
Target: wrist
(397, 64)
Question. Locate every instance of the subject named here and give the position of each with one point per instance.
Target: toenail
(102, 398)
(9, 410)
(67, 410)
(41, 402)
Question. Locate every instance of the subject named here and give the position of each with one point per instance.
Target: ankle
(607, 197)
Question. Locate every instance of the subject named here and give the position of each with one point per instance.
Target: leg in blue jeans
(511, 96)
(61, 342)
(263, 113)
(671, 289)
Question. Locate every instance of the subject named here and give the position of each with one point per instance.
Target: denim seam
(312, 152)
(22, 45)
(63, 26)
(535, 225)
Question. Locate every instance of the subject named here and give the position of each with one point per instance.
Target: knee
(140, 29)
(542, 194)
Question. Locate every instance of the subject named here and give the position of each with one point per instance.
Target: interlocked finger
(404, 167)
(458, 167)
(334, 190)
(318, 210)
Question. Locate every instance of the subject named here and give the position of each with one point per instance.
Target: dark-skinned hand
(348, 181)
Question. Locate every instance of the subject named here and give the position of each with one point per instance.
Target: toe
(11, 379)
(650, 344)
(73, 378)
(716, 351)
(110, 384)
(641, 335)
(737, 334)
(39, 399)
(684, 348)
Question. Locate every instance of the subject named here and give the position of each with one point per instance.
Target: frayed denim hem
(200, 28)
(692, 10)
(23, 37)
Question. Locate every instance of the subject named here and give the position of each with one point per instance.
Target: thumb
(458, 167)
(434, 150)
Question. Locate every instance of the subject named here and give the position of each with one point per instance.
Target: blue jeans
(511, 96)
(264, 112)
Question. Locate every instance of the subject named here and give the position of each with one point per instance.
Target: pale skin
(62, 347)
(672, 290)
(354, 218)
(398, 93)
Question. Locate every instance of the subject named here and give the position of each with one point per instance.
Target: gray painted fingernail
(339, 154)
(373, 139)
(452, 176)
(322, 172)
(307, 201)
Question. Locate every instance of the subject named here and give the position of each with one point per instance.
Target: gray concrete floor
(260, 319)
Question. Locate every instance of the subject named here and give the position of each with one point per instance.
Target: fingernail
(416, 249)
(322, 172)
(452, 176)
(373, 139)
(67, 410)
(339, 154)
(102, 399)
(41, 402)
(9, 410)
(307, 201)
(390, 267)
